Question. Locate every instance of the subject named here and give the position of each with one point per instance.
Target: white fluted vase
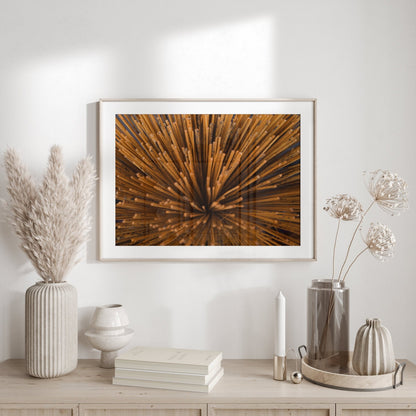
(51, 329)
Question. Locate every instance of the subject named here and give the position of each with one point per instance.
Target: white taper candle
(280, 326)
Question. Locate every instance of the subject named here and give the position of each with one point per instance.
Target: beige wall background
(356, 57)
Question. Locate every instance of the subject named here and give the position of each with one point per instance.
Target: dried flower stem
(324, 336)
(335, 246)
(355, 259)
(352, 239)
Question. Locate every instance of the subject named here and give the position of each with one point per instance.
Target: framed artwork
(207, 180)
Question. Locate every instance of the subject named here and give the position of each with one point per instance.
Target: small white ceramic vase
(51, 329)
(373, 351)
(109, 332)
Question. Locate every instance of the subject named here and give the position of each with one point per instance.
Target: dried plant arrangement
(51, 219)
(389, 191)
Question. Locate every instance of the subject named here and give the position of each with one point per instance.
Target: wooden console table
(247, 389)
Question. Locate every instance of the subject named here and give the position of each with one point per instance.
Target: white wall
(356, 57)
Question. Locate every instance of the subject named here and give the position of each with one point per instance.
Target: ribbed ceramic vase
(373, 351)
(51, 329)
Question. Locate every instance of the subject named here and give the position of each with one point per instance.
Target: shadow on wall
(93, 149)
(84, 319)
(161, 318)
(146, 49)
(236, 39)
(17, 324)
(244, 314)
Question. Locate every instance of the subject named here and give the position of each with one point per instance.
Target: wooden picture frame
(207, 179)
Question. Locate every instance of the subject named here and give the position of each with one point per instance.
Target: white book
(165, 376)
(201, 388)
(170, 359)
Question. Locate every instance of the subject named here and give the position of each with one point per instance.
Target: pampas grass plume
(51, 219)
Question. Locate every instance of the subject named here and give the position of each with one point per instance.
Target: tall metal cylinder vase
(328, 325)
(51, 329)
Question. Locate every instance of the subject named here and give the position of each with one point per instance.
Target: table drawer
(143, 410)
(38, 410)
(289, 409)
(376, 410)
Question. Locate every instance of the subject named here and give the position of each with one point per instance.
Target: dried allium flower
(380, 241)
(344, 207)
(388, 189)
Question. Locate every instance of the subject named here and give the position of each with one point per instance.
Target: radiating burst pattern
(208, 179)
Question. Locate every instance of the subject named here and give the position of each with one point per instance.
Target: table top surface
(245, 381)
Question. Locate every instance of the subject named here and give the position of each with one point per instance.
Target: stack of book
(169, 368)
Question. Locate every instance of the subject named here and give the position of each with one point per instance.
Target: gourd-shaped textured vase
(373, 351)
(51, 329)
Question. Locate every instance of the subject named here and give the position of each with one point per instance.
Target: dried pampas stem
(50, 219)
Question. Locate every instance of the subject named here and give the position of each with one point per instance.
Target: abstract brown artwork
(207, 180)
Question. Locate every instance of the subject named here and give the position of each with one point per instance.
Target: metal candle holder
(279, 368)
